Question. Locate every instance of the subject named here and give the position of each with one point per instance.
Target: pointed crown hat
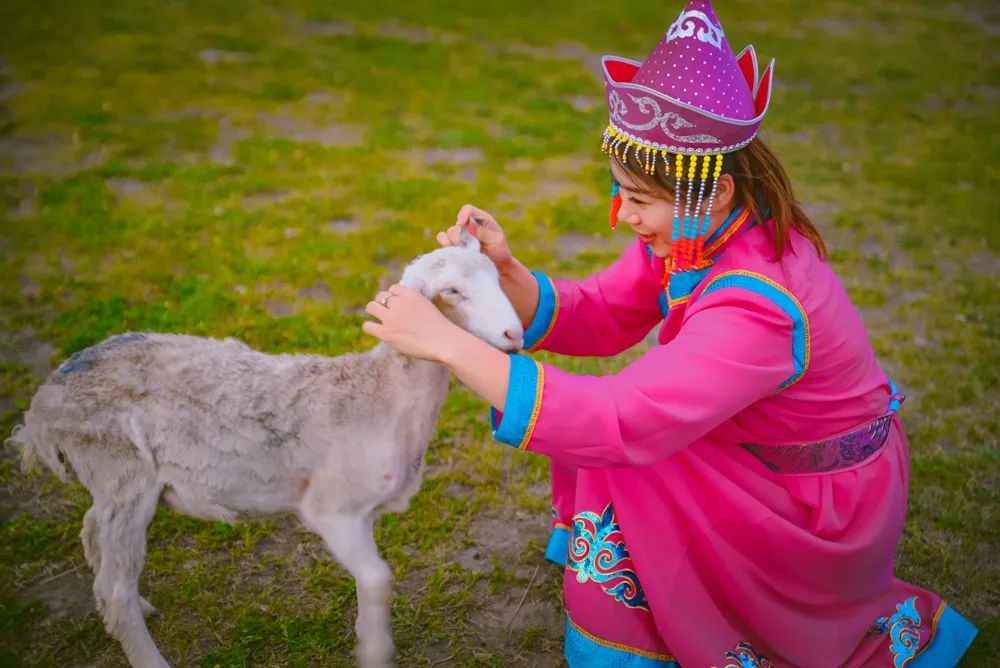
(691, 95)
(686, 105)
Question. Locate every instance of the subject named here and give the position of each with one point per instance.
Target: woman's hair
(762, 186)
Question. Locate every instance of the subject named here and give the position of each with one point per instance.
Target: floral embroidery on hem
(904, 631)
(597, 552)
(745, 656)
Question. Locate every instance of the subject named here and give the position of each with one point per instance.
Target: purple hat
(691, 98)
(691, 95)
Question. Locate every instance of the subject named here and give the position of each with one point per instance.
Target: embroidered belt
(832, 454)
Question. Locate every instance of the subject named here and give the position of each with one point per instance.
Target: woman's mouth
(646, 238)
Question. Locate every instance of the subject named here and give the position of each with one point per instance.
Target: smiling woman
(238, 169)
(748, 476)
(751, 177)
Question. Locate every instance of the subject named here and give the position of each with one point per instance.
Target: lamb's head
(464, 284)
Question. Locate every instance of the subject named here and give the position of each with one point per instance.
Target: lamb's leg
(92, 553)
(352, 543)
(120, 523)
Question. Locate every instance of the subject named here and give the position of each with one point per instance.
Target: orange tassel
(616, 205)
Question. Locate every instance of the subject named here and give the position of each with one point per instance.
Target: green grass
(259, 170)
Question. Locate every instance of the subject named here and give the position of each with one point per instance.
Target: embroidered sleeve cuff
(524, 399)
(558, 546)
(545, 314)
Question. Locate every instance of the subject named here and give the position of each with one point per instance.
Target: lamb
(219, 431)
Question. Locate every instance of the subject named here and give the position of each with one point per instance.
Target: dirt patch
(288, 125)
(320, 292)
(318, 28)
(67, 594)
(229, 135)
(262, 200)
(213, 56)
(341, 226)
(26, 348)
(47, 154)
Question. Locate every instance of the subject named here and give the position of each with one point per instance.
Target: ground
(259, 169)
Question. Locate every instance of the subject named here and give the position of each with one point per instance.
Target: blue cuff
(545, 314)
(558, 546)
(524, 399)
(953, 635)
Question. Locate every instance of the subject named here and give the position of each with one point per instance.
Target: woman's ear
(725, 191)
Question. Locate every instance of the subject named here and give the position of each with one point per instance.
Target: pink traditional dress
(733, 498)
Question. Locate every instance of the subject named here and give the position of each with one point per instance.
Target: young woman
(735, 496)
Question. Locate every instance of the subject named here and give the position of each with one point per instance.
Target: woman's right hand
(492, 240)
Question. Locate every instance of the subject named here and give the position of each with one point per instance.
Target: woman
(735, 496)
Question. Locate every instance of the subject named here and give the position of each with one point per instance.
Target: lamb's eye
(451, 293)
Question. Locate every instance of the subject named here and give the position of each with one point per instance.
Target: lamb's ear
(466, 240)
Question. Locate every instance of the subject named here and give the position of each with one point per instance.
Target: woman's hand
(492, 240)
(411, 324)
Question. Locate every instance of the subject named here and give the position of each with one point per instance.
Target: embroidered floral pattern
(597, 552)
(904, 631)
(687, 22)
(745, 656)
(667, 122)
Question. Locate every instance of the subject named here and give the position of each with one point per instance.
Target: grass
(259, 170)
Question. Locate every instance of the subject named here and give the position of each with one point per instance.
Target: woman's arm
(602, 315)
(729, 354)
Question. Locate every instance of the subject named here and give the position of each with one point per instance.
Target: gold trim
(617, 645)
(539, 384)
(934, 625)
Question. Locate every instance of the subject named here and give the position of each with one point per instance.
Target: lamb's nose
(516, 338)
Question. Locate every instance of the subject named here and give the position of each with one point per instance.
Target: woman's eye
(637, 201)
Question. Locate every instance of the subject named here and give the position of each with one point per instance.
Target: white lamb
(219, 431)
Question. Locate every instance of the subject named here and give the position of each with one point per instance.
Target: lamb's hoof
(146, 607)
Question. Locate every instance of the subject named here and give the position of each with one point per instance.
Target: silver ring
(385, 301)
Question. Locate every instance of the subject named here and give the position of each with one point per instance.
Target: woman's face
(651, 217)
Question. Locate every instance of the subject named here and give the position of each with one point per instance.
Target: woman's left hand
(409, 323)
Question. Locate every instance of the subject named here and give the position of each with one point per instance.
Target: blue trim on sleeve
(585, 651)
(523, 394)
(545, 312)
(952, 637)
(558, 546)
(785, 301)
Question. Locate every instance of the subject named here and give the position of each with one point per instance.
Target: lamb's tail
(35, 449)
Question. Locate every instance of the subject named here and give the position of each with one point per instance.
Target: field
(259, 170)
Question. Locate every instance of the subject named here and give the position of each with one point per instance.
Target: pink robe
(690, 535)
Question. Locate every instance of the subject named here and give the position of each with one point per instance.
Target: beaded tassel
(675, 237)
(699, 239)
(711, 195)
(687, 256)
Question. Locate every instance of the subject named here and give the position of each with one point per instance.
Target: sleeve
(602, 315)
(735, 347)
